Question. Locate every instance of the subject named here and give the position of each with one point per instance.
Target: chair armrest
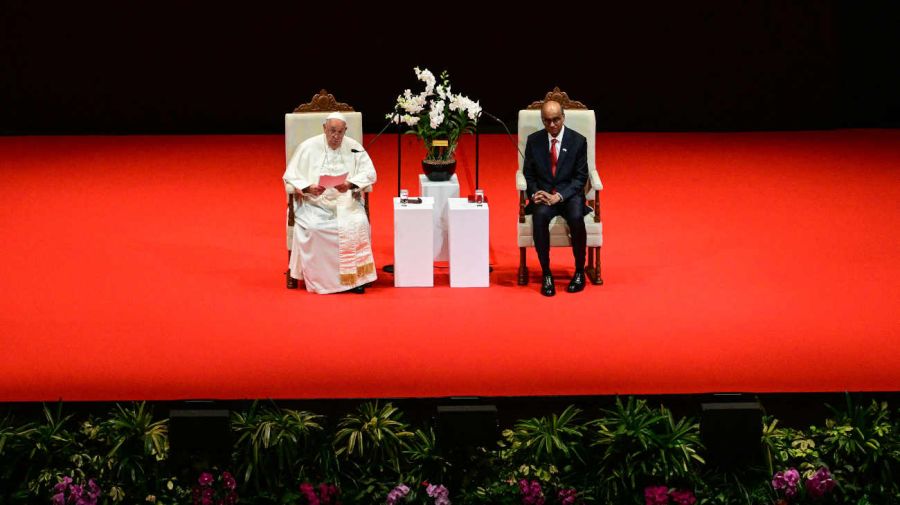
(521, 184)
(596, 183)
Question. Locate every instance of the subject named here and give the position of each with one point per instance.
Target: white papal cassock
(331, 249)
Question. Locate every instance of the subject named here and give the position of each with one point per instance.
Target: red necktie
(553, 157)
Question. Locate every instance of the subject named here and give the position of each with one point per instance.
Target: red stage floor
(151, 268)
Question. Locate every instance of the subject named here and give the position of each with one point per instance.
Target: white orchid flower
(428, 78)
(436, 114)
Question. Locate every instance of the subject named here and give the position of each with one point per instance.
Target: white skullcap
(336, 115)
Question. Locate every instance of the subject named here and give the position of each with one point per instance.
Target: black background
(205, 67)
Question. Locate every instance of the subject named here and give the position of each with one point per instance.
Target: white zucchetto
(336, 115)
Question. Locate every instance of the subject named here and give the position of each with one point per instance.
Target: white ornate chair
(582, 120)
(305, 122)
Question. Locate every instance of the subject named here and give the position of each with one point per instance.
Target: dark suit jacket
(571, 164)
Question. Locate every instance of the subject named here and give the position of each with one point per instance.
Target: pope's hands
(314, 190)
(343, 187)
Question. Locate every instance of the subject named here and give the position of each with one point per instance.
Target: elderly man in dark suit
(556, 171)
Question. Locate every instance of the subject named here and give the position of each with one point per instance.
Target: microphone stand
(399, 148)
(476, 149)
(396, 117)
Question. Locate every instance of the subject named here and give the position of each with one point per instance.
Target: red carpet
(151, 268)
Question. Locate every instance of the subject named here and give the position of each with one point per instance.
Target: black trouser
(573, 210)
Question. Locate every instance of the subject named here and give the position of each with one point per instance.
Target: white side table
(441, 191)
(414, 243)
(469, 242)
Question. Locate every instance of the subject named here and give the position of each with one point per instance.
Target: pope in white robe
(331, 247)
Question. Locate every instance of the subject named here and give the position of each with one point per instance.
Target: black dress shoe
(577, 283)
(291, 282)
(359, 290)
(547, 287)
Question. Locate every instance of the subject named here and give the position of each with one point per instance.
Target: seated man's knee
(542, 214)
(574, 211)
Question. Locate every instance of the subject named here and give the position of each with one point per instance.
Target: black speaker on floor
(731, 430)
(461, 426)
(199, 439)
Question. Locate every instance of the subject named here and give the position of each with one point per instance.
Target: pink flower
(787, 481)
(75, 494)
(310, 493)
(397, 494)
(63, 484)
(440, 494)
(820, 483)
(327, 494)
(792, 476)
(531, 492)
(93, 489)
(683, 497)
(656, 495)
(206, 479)
(566, 496)
(228, 481)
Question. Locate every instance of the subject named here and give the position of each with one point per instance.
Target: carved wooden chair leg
(589, 270)
(598, 279)
(523, 269)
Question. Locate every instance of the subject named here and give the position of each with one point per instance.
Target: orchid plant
(438, 494)
(211, 490)
(662, 495)
(817, 485)
(436, 114)
(67, 492)
(533, 494)
(324, 494)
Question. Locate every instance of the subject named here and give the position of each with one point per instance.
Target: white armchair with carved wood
(582, 120)
(304, 122)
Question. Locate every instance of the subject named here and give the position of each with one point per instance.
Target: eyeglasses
(552, 120)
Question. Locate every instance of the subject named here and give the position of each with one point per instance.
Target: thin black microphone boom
(508, 133)
(383, 129)
(393, 119)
